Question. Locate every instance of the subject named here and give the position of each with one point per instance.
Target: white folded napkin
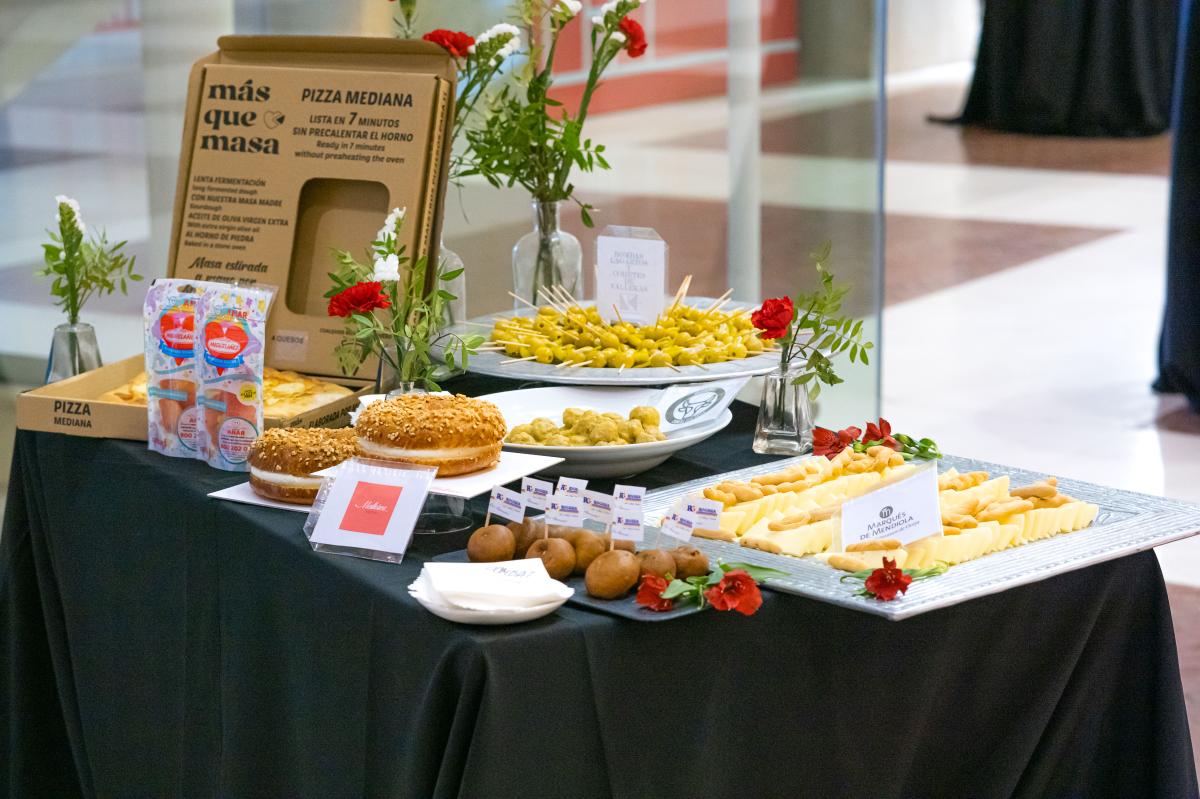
(507, 585)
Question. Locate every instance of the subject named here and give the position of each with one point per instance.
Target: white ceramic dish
(490, 617)
(521, 407)
(492, 363)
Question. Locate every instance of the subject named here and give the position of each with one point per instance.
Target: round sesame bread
(455, 433)
(282, 460)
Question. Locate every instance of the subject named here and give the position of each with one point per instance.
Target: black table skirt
(158, 643)
(1075, 68)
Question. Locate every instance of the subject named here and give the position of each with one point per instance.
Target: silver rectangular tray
(1128, 522)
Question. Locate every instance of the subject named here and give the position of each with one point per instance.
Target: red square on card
(371, 508)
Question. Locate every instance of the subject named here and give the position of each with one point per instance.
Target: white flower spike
(387, 269)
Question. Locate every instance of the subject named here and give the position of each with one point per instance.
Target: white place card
(904, 511)
(369, 510)
(507, 504)
(678, 524)
(631, 274)
(634, 494)
(627, 521)
(537, 492)
(705, 513)
(691, 404)
(570, 486)
(565, 511)
(598, 506)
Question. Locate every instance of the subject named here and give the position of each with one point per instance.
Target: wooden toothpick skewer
(719, 301)
(518, 360)
(521, 299)
(683, 289)
(618, 313)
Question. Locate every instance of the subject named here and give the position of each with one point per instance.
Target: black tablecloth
(158, 643)
(1090, 68)
(1179, 346)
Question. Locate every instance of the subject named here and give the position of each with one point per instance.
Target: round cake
(282, 460)
(456, 434)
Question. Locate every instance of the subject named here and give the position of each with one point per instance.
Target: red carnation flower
(359, 298)
(736, 591)
(635, 36)
(456, 43)
(881, 433)
(774, 317)
(884, 583)
(649, 593)
(828, 443)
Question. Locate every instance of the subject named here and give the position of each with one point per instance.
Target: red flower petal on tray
(736, 591)
(881, 432)
(456, 43)
(635, 37)
(774, 317)
(649, 593)
(887, 581)
(359, 298)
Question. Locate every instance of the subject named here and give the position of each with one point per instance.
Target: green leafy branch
(819, 333)
(83, 267)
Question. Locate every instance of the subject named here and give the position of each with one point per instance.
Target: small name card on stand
(565, 511)
(631, 273)
(537, 493)
(506, 504)
(368, 509)
(903, 511)
(570, 486)
(627, 521)
(678, 524)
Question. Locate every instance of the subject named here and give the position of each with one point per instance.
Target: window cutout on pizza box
(333, 214)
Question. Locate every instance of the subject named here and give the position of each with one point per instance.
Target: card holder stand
(386, 472)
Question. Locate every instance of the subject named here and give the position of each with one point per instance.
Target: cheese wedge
(964, 502)
(797, 542)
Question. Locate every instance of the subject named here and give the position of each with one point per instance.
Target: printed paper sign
(598, 507)
(634, 494)
(570, 486)
(627, 523)
(564, 510)
(372, 507)
(507, 504)
(631, 274)
(904, 511)
(690, 404)
(678, 524)
(536, 492)
(705, 513)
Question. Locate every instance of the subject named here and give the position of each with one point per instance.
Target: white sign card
(565, 511)
(506, 504)
(678, 524)
(904, 511)
(369, 509)
(598, 507)
(631, 274)
(536, 492)
(570, 486)
(624, 493)
(705, 513)
(627, 521)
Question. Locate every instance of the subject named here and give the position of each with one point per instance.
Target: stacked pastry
(283, 461)
(457, 434)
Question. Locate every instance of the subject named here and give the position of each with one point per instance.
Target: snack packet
(169, 323)
(231, 328)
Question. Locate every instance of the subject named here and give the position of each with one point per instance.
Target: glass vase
(785, 423)
(456, 309)
(73, 351)
(546, 257)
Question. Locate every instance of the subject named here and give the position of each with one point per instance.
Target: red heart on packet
(225, 340)
(178, 331)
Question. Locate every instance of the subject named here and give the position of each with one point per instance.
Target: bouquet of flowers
(390, 311)
(812, 329)
(79, 266)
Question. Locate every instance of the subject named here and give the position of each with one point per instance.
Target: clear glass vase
(450, 261)
(785, 423)
(548, 256)
(73, 351)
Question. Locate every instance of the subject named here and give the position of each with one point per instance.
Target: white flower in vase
(387, 269)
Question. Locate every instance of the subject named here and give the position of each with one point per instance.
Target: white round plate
(492, 617)
(492, 363)
(525, 405)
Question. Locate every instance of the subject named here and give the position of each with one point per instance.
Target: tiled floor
(1023, 282)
